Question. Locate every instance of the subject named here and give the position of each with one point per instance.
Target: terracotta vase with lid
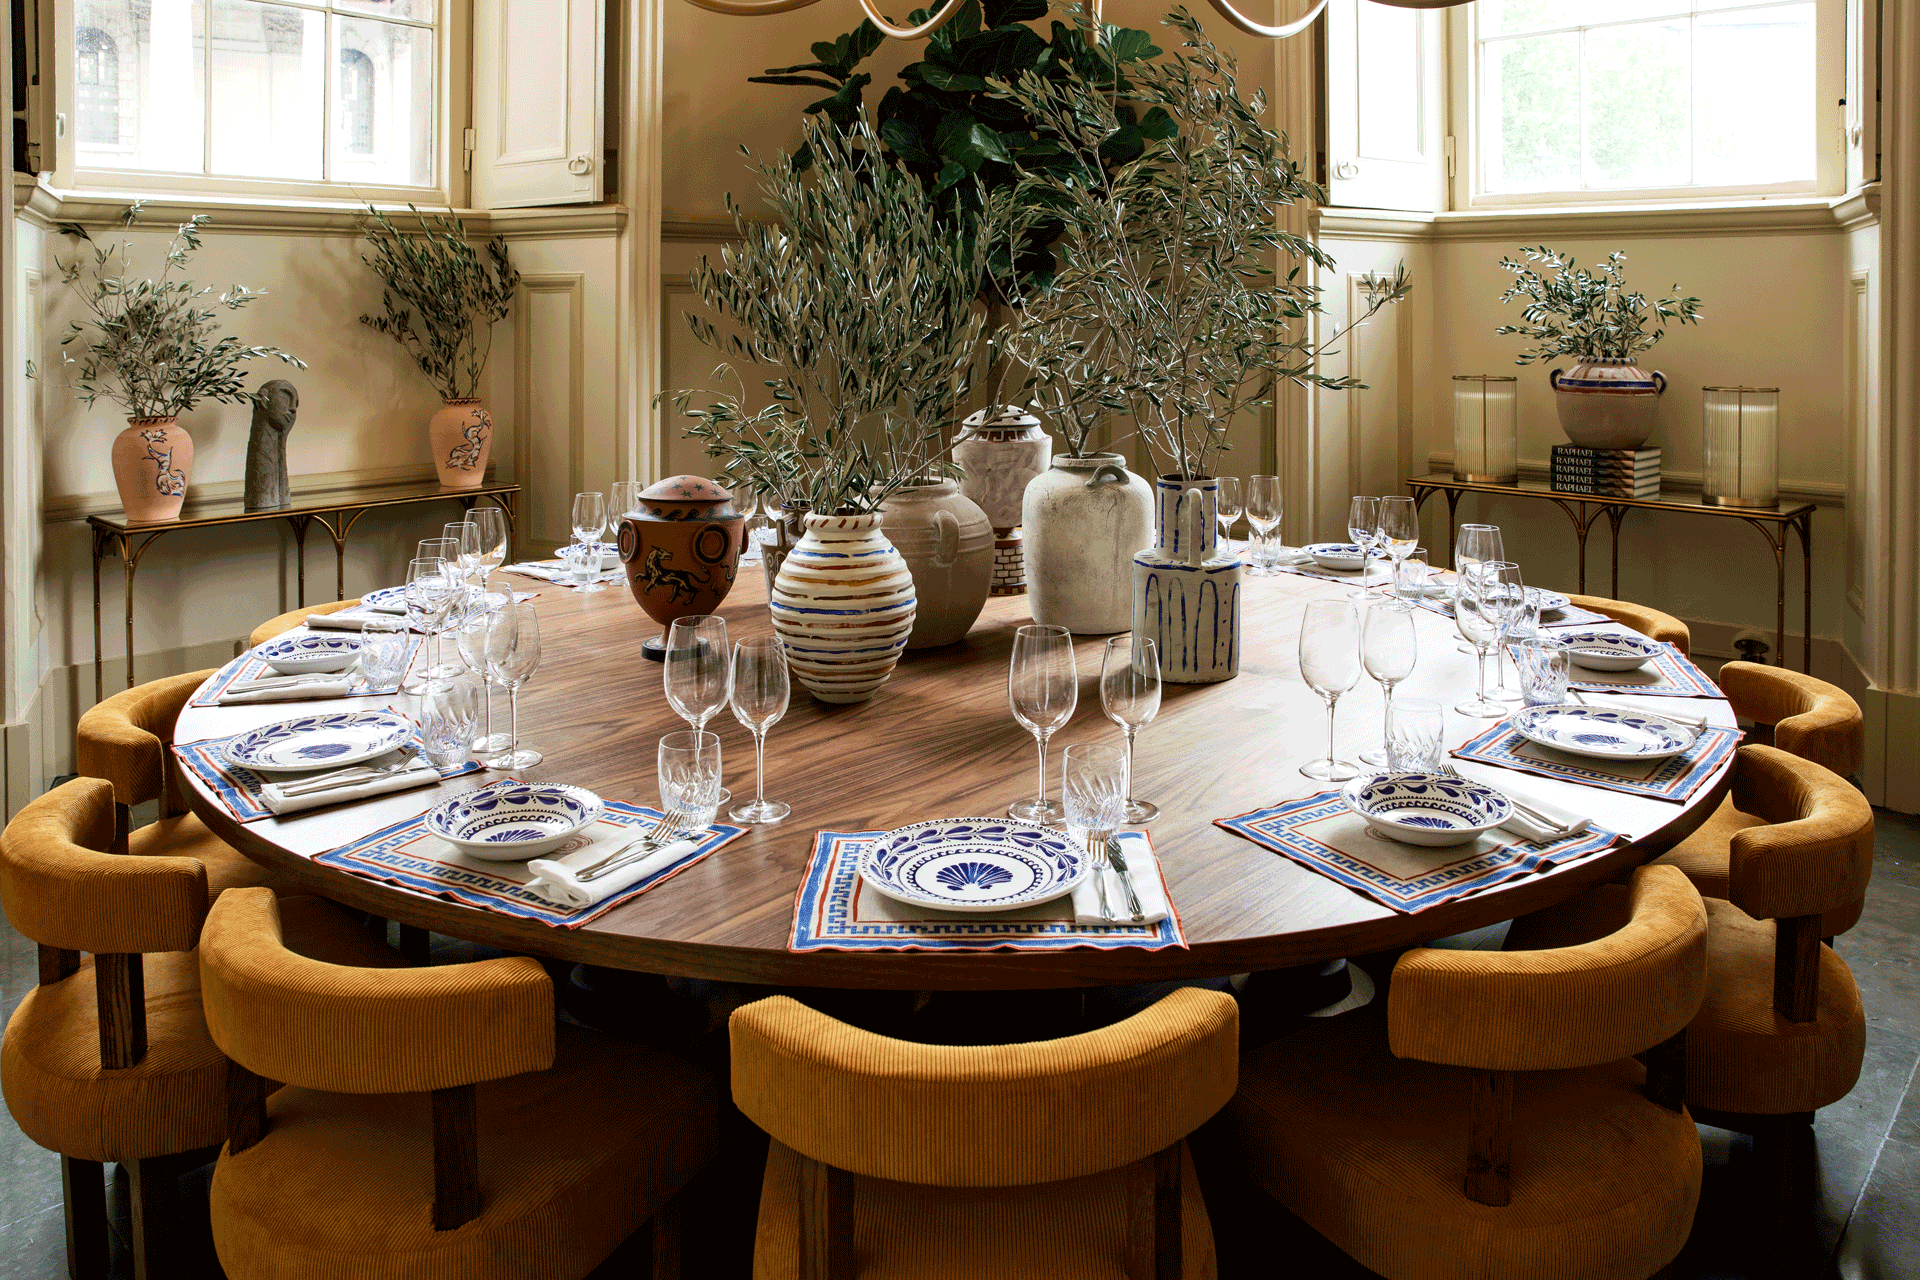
(948, 545)
(1608, 402)
(152, 459)
(681, 551)
(460, 436)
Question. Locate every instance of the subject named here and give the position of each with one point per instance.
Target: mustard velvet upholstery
(1814, 851)
(125, 738)
(350, 1030)
(1702, 856)
(185, 836)
(296, 617)
(1650, 623)
(1573, 1006)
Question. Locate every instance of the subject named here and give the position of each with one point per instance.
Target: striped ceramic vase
(843, 606)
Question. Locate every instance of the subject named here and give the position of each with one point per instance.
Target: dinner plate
(1603, 734)
(1549, 601)
(974, 864)
(1342, 557)
(309, 654)
(316, 742)
(514, 821)
(386, 600)
(1426, 808)
(1608, 651)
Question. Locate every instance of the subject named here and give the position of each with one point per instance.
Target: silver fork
(668, 825)
(344, 778)
(1097, 855)
(1119, 861)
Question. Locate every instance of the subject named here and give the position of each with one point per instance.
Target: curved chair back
(287, 621)
(1812, 719)
(1650, 623)
(125, 739)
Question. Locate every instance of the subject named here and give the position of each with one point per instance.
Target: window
(236, 95)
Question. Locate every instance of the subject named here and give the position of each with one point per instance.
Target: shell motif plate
(320, 742)
(1608, 651)
(514, 821)
(974, 864)
(1603, 734)
(309, 654)
(1426, 808)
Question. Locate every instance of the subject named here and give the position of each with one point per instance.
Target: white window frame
(448, 188)
(1830, 150)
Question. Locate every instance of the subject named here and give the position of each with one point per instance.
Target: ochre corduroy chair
(125, 740)
(435, 1122)
(108, 1059)
(1809, 718)
(288, 621)
(1650, 623)
(1053, 1158)
(1491, 1122)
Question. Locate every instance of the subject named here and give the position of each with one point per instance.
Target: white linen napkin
(346, 619)
(554, 878)
(1529, 828)
(417, 774)
(1292, 555)
(1142, 868)
(291, 691)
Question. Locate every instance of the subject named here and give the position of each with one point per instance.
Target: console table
(1585, 508)
(335, 509)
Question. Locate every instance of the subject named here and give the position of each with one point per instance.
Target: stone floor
(1866, 1227)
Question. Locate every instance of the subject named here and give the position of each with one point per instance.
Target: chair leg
(83, 1192)
(1784, 1158)
(666, 1241)
(152, 1187)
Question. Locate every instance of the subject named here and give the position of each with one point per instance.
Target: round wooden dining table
(939, 741)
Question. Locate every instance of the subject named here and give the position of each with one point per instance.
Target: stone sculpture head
(274, 407)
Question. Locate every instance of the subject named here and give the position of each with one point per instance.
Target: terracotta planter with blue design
(152, 459)
(460, 435)
(1186, 590)
(1608, 402)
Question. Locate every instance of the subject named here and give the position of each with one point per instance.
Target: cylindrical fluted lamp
(1742, 427)
(1486, 428)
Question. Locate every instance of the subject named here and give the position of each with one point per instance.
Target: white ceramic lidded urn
(843, 606)
(1084, 518)
(948, 546)
(1186, 590)
(1001, 450)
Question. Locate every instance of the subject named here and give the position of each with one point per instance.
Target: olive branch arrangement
(440, 298)
(1587, 314)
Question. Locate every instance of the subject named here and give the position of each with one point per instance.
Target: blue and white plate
(1343, 557)
(514, 821)
(1608, 651)
(306, 654)
(1603, 734)
(609, 554)
(320, 742)
(974, 864)
(1549, 601)
(386, 600)
(1426, 808)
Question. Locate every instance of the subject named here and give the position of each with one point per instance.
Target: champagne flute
(1264, 508)
(1228, 505)
(759, 699)
(1330, 664)
(1478, 612)
(1130, 695)
(1043, 686)
(491, 523)
(1387, 650)
(513, 655)
(589, 522)
(697, 667)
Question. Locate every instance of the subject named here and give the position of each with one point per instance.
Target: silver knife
(608, 868)
(1119, 861)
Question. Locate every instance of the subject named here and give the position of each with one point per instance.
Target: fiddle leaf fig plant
(1571, 311)
(441, 297)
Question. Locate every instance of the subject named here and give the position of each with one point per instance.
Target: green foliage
(1164, 305)
(441, 298)
(150, 346)
(1587, 314)
(859, 300)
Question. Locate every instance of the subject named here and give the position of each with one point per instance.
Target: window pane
(1754, 77)
(1515, 17)
(1531, 136)
(268, 104)
(139, 84)
(1637, 105)
(417, 10)
(383, 112)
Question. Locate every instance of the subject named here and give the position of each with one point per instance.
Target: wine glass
(466, 546)
(1228, 505)
(470, 638)
(1043, 687)
(429, 594)
(697, 667)
(589, 522)
(1330, 664)
(1474, 543)
(1264, 507)
(1387, 651)
(513, 655)
(1093, 787)
(1363, 527)
(1399, 528)
(625, 501)
(1482, 613)
(759, 699)
(441, 548)
(1130, 695)
(491, 522)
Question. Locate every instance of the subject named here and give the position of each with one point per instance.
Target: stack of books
(1610, 473)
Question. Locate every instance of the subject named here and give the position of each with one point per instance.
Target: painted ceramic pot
(948, 546)
(460, 436)
(152, 459)
(1608, 402)
(1084, 518)
(1002, 450)
(681, 550)
(1186, 590)
(843, 605)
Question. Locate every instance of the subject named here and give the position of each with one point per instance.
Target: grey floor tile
(1883, 1241)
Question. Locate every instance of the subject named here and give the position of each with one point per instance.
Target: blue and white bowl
(1603, 734)
(974, 864)
(385, 600)
(1343, 557)
(320, 742)
(514, 821)
(309, 653)
(1608, 651)
(1548, 601)
(1426, 808)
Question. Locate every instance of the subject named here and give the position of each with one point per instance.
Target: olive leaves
(441, 297)
(1581, 313)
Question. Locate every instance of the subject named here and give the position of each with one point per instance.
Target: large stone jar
(843, 606)
(152, 459)
(1608, 402)
(1084, 518)
(948, 545)
(681, 551)
(1186, 590)
(460, 435)
(1001, 451)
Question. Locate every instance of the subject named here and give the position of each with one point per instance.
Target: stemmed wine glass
(1473, 544)
(466, 546)
(1043, 686)
(1227, 506)
(1264, 509)
(1130, 695)
(1489, 595)
(471, 640)
(1363, 527)
(1387, 651)
(1330, 664)
(759, 699)
(513, 655)
(1399, 529)
(429, 595)
(491, 524)
(697, 667)
(624, 502)
(589, 522)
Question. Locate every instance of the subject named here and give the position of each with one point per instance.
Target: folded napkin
(346, 619)
(1527, 827)
(1143, 869)
(1292, 555)
(554, 878)
(418, 773)
(335, 686)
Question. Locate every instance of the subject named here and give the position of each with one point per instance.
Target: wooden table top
(939, 740)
